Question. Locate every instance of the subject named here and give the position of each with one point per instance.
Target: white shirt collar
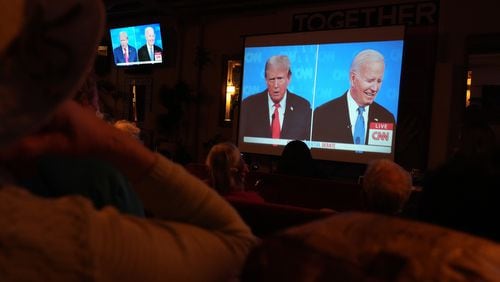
(353, 110)
(281, 109)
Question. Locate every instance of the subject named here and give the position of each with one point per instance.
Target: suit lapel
(263, 115)
(288, 115)
(346, 120)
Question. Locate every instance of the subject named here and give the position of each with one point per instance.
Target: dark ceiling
(116, 8)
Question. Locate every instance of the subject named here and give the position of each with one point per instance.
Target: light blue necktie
(151, 54)
(359, 128)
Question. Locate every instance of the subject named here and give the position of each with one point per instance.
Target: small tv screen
(337, 90)
(137, 45)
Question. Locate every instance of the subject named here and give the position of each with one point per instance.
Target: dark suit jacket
(118, 54)
(255, 117)
(332, 124)
(144, 55)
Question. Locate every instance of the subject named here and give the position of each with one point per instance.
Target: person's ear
(352, 75)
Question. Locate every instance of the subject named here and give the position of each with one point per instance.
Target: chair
(268, 218)
(199, 170)
(313, 193)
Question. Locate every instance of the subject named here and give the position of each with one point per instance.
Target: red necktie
(275, 125)
(125, 53)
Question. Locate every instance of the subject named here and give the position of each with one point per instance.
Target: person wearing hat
(46, 52)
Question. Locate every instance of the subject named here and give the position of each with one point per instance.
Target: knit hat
(47, 47)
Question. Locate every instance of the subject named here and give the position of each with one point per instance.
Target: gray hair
(149, 28)
(366, 56)
(386, 187)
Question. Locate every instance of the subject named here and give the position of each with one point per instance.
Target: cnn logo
(380, 135)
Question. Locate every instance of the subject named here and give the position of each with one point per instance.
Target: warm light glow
(467, 93)
(230, 90)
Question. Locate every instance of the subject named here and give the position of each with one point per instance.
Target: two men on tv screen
(126, 53)
(345, 119)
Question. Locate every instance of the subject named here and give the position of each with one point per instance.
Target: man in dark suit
(346, 118)
(124, 53)
(150, 52)
(276, 112)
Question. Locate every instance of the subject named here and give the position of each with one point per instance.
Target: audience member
(296, 159)
(227, 171)
(386, 187)
(463, 194)
(197, 236)
(129, 127)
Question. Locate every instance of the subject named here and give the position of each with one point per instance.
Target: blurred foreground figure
(372, 247)
(46, 52)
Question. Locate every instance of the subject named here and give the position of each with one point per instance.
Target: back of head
(386, 187)
(128, 127)
(224, 165)
(296, 159)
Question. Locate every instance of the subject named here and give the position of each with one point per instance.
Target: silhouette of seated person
(227, 171)
(386, 187)
(463, 194)
(296, 160)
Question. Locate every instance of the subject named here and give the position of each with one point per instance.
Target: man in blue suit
(124, 53)
(276, 112)
(346, 119)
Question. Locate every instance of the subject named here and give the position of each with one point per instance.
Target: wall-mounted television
(342, 92)
(137, 45)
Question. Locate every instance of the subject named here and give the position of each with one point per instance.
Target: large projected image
(340, 97)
